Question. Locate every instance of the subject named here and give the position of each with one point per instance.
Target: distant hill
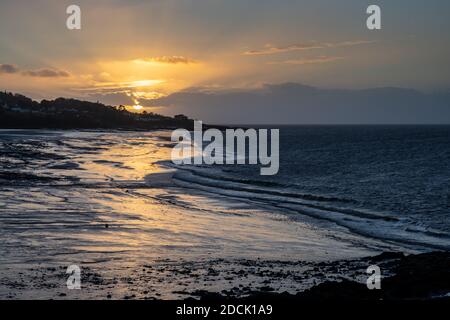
(294, 103)
(18, 111)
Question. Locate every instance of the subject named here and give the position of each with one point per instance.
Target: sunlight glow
(143, 83)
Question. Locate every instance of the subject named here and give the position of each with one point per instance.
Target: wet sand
(103, 202)
(423, 276)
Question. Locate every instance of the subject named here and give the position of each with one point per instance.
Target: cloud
(350, 43)
(303, 61)
(125, 97)
(167, 60)
(46, 73)
(43, 72)
(8, 68)
(293, 103)
(127, 93)
(115, 99)
(270, 49)
(123, 86)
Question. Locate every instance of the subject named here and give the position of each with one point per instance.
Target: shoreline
(102, 202)
(404, 277)
(423, 276)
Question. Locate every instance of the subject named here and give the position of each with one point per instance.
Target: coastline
(404, 277)
(102, 201)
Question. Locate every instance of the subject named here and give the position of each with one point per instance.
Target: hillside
(18, 111)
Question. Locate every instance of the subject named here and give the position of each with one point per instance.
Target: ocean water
(113, 197)
(385, 182)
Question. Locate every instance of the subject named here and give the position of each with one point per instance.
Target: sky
(138, 52)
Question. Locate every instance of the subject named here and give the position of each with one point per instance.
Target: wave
(213, 177)
(388, 227)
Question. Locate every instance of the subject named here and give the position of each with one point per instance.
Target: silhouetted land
(20, 112)
(413, 277)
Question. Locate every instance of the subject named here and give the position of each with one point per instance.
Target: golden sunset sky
(130, 52)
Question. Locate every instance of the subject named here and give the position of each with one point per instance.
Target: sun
(137, 107)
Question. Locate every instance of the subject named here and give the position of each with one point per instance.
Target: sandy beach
(106, 202)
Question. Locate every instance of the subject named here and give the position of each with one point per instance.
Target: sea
(341, 191)
(385, 182)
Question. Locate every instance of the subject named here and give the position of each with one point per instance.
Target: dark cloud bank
(8, 68)
(46, 73)
(41, 73)
(293, 103)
